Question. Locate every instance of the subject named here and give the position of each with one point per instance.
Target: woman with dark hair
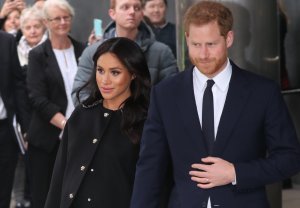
(95, 164)
(10, 17)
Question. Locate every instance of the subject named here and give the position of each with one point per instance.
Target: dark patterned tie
(208, 116)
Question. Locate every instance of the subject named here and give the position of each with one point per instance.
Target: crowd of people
(83, 110)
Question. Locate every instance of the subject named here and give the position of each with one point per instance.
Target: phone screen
(98, 27)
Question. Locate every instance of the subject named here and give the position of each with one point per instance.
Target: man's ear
(186, 36)
(112, 13)
(229, 38)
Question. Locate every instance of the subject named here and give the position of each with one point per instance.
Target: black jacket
(47, 94)
(12, 82)
(93, 140)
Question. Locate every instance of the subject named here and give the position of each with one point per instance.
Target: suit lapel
(52, 61)
(187, 108)
(78, 48)
(236, 99)
(53, 64)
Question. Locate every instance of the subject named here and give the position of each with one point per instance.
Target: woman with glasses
(51, 70)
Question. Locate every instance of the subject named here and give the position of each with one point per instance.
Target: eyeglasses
(58, 20)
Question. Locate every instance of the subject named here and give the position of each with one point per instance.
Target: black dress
(108, 181)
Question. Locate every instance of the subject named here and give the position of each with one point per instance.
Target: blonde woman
(51, 70)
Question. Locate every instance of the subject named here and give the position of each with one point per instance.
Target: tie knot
(210, 83)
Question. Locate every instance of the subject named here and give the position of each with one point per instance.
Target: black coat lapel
(52, 63)
(236, 99)
(78, 48)
(188, 110)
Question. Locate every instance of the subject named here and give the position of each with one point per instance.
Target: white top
(24, 48)
(219, 90)
(3, 113)
(68, 68)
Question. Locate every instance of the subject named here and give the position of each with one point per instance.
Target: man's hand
(215, 172)
(93, 39)
(20, 5)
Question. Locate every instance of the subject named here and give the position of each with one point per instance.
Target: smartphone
(98, 27)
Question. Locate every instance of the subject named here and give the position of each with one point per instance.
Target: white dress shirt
(219, 90)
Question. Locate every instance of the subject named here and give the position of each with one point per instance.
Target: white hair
(30, 13)
(62, 4)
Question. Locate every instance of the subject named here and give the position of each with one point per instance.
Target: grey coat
(160, 59)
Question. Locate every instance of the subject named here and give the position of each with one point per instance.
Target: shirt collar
(221, 80)
(161, 26)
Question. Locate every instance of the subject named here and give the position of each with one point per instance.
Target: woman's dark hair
(135, 107)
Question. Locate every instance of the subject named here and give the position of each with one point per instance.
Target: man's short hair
(205, 12)
(144, 2)
(113, 4)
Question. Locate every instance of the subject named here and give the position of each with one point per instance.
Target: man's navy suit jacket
(255, 133)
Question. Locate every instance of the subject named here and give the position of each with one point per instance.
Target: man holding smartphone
(127, 22)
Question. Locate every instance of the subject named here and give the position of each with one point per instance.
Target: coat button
(92, 170)
(89, 199)
(82, 168)
(71, 196)
(106, 114)
(95, 141)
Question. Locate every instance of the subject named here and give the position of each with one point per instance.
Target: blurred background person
(12, 102)
(116, 110)
(34, 33)
(11, 23)
(39, 3)
(33, 30)
(51, 70)
(155, 15)
(10, 17)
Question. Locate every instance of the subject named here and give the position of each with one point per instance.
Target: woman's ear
(133, 77)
